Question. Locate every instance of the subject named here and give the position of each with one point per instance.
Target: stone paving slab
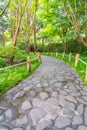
(53, 98)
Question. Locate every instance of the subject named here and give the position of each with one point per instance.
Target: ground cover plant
(10, 77)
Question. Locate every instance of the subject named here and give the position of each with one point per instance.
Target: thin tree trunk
(27, 46)
(19, 14)
(64, 45)
(18, 22)
(16, 33)
(11, 61)
(35, 39)
(73, 19)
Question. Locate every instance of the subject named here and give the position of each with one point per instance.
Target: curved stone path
(53, 98)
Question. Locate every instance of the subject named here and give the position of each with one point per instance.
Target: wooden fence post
(39, 57)
(63, 54)
(77, 59)
(86, 74)
(70, 57)
(28, 64)
(56, 54)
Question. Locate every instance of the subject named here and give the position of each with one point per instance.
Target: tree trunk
(27, 46)
(64, 45)
(35, 39)
(11, 61)
(18, 22)
(16, 34)
(73, 19)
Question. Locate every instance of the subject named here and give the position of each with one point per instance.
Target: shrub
(8, 51)
(2, 63)
(1, 48)
(12, 51)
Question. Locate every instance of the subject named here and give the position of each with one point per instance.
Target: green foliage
(2, 63)
(75, 46)
(11, 77)
(8, 51)
(22, 56)
(41, 48)
(54, 47)
(1, 48)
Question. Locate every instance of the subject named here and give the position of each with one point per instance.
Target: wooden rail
(12, 66)
(28, 62)
(82, 61)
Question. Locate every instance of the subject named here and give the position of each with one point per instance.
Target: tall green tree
(18, 8)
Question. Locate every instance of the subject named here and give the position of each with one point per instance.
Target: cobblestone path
(53, 98)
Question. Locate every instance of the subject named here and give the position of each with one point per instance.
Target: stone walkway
(53, 98)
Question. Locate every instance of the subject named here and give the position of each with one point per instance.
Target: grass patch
(11, 77)
(23, 56)
(80, 68)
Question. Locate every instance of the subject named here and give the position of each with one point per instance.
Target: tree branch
(75, 6)
(4, 9)
(75, 24)
(67, 14)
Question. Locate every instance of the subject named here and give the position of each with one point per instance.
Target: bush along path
(53, 98)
